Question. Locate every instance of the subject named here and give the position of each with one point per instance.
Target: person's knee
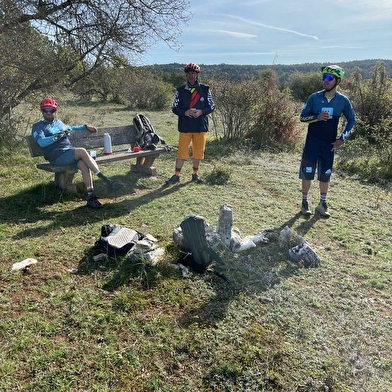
(325, 177)
(81, 152)
(82, 166)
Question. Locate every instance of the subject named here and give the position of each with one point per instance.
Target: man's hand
(323, 116)
(193, 113)
(92, 129)
(60, 136)
(336, 144)
(197, 113)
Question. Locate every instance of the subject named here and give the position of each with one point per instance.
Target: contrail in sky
(272, 27)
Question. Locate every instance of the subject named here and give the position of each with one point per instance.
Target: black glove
(58, 136)
(61, 135)
(150, 146)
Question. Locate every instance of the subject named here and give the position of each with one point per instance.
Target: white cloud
(369, 10)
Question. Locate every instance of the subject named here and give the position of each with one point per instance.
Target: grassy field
(121, 326)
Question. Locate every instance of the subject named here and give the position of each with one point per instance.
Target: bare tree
(66, 40)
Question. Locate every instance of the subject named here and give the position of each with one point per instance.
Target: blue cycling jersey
(327, 130)
(45, 133)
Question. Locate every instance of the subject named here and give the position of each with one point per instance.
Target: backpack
(146, 138)
(116, 240)
(199, 254)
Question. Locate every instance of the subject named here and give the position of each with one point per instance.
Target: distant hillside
(241, 72)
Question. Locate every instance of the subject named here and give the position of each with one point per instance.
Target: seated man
(52, 135)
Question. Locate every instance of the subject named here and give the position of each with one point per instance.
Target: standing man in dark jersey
(322, 112)
(192, 104)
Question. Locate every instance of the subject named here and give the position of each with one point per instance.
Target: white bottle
(107, 144)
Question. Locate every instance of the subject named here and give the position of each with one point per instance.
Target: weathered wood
(123, 140)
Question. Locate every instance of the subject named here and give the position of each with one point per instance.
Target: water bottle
(107, 144)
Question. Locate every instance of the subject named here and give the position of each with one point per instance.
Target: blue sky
(281, 32)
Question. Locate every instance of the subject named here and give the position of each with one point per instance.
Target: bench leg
(63, 180)
(144, 165)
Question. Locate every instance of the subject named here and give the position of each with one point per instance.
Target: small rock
(24, 264)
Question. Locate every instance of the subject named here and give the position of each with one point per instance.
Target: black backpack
(198, 254)
(146, 138)
(116, 240)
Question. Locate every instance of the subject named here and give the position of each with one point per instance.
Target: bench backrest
(119, 135)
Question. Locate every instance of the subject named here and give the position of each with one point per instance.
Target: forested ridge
(241, 72)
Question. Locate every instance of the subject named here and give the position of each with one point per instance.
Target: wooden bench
(123, 141)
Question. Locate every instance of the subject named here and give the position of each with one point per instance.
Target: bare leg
(323, 187)
(87, 164)
(306, 186)
(86, 174)
(83, 155)
(179, 165)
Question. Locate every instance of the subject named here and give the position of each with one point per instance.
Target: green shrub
(303, 85)
(234, 101)
(275, 116)
(361, 158)
(219, 175)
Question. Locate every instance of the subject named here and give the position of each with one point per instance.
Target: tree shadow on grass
(252, 272)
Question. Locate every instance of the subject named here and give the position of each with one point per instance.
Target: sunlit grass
(121, 326)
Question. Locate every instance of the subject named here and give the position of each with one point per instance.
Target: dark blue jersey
(327, 130)
(203, 101)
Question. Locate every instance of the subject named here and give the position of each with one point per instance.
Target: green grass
(121, 326)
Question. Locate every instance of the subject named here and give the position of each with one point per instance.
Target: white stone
(23, 264)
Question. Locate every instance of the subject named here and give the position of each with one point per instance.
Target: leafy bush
(234, 102)
(10, 131)
(365, 160)
(368, 153)
(372, 101)
(255, 109)
(126, 85)
(275, 116)
(219, 175)
(144, 90)
(303, 85)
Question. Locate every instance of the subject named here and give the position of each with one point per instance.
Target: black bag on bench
(146, 138)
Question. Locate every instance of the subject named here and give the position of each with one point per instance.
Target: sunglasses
(328, 77)
(49, 110)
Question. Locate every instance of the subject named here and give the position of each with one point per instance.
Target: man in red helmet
(52, 135)
(192, 104)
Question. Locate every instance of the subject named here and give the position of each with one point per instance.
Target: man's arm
(349, 113)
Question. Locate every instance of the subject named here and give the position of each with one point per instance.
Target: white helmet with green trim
(334, 70)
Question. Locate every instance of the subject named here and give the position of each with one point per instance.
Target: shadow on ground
(252, 272)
